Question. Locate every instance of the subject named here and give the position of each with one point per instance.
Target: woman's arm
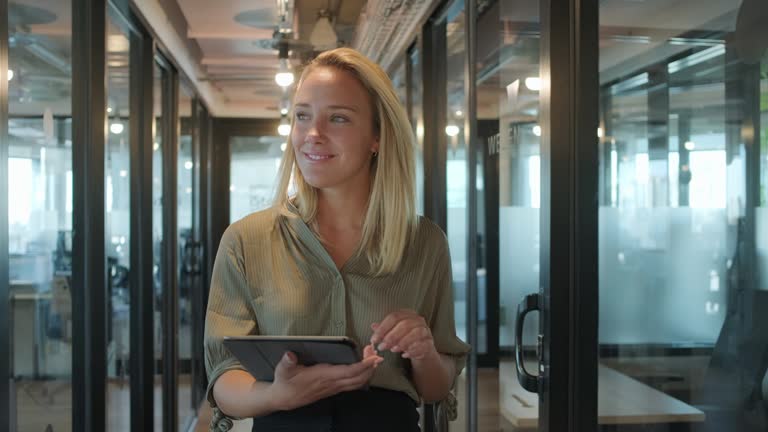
(238, 394)
(407, 332)
(433, 376)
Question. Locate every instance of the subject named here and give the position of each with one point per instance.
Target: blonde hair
(390, 219)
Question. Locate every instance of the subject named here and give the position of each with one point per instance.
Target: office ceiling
(234, 37)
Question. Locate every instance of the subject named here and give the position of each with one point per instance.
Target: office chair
(735, 391)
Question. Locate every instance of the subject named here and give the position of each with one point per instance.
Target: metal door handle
(529, 304)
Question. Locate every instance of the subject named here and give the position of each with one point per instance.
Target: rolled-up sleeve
(443, 324)
(229, 313)
(441, 319)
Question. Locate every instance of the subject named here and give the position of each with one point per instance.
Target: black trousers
(373, 410)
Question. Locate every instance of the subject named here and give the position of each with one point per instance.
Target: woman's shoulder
(429, 235)
(253, 226)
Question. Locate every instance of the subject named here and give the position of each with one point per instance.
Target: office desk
(621, 400)
(27, 328)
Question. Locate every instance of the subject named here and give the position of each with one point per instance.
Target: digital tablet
(261, 354)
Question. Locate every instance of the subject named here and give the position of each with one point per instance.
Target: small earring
(375, 154)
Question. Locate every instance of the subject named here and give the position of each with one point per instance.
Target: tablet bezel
(260, 354)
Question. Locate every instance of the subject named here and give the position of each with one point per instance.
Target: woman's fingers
(394, 327)
(353, 383)
(417, 335)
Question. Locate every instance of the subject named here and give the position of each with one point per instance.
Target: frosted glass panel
(518, 269)
(761, 230)
(662, 275)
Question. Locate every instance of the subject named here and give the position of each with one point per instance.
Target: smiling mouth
(315, 157)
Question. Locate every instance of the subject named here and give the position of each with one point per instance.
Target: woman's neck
(341, 210)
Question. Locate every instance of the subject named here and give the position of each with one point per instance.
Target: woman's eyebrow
(342, 107)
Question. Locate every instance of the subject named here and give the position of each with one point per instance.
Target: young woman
(346, 255)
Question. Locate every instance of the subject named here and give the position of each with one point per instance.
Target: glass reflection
(40, 213)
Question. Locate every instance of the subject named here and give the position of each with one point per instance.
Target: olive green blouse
(272, 276)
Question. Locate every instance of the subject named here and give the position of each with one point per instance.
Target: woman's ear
(375, 146)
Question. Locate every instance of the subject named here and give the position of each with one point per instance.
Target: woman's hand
(296, 385)
(404, 331)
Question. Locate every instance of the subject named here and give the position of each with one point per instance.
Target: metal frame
(433, 77)
(170, 313)
(489, 151)
(569, 277)
(142, 364)
(89, 278)
(200, 298)
(7, 391)
(470, 137)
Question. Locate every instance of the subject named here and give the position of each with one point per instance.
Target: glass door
(509, 203)
(682, 222)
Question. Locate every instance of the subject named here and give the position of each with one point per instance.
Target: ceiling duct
(386, 27)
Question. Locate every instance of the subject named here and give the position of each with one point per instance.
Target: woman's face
(333, 135)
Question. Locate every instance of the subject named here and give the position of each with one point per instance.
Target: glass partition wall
(118, 225)
(46, 311)
(683, 329)
(39, 214)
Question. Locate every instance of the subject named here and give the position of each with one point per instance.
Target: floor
(44, 404)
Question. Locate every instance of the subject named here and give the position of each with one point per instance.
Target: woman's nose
(314, 132)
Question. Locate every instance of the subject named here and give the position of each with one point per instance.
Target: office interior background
(601, 165)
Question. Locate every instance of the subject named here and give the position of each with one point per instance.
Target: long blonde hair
(390, 219)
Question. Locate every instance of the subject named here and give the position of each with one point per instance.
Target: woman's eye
(338, 119)
(301, 116)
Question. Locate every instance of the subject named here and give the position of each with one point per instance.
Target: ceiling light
(156, 146)
(536, 130)
(10, 74)
(533, 83)
(123, 173)
(116, 128)
(285, 128)
(323, 37)
(451, 130)
(284, 106)
(690, 145)
(599, 132)
(284, 76)
(231, 188)
(459, 113)
(188, 165)
(283, 146)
